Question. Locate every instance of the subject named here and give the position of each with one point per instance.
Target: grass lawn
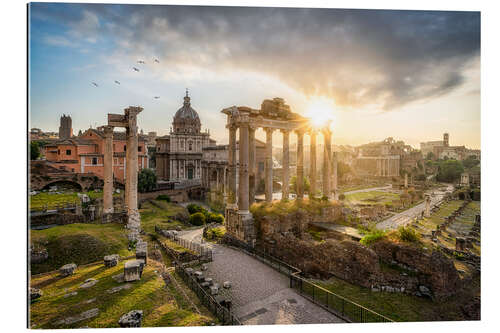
(372, 197)
(80, 243)
(40, 200)
(402, 307)
(162, 305)
(158, 213)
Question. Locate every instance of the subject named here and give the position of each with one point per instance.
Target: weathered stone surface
(74, 293)
(38, 254)
(226, 284)
(35, 293)
(214, 290)
(141, 251)
(111, 260)
(132, 271)
(131, 319)
(117, 289)
(189, 271)
(210, 281)
(67, 269)
(88, 283)
(204, 267)
(82, 316)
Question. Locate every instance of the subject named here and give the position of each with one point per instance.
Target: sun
(320, 111)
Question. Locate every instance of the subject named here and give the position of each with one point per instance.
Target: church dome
(186, 119)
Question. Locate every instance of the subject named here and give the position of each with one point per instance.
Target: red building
(84, 153)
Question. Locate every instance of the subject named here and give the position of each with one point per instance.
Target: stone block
(205, 284)
(214, 290)
(209, 280)
(67, 269)
(198, 273)
(35, 293)
(200, 278)
(111, 260)
(226, 284)
(132, 271)
(131, 319)
(88, 283)
(204, 267)
(459, 244)
(189, 271)
(141, 251)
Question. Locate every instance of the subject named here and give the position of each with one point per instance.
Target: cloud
(58, 41)
(380, 58)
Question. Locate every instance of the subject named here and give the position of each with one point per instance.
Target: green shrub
(215, 233)
(194, 208)
(197, 219)
(215, 218)
(407, 234)
(342, 196)
(163, 197)
(372, 237)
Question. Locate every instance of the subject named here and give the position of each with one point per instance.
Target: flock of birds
(142, 62)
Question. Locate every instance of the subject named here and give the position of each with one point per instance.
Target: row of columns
(247, 167)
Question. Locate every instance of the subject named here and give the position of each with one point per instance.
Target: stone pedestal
(111, 260)
(132, 271)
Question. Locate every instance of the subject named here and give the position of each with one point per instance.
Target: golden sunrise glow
(321, 111)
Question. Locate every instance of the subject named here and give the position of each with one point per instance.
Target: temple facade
(179, 154)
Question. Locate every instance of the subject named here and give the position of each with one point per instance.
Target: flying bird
(156, 97)
(95, 84)
(157, 61)
(117, 82)
(135, 69)
(141, 62)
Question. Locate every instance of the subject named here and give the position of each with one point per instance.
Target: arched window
(190, 146)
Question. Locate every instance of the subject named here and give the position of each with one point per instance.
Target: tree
(430, 156)
(293, 184)
(470, 161)
(34, 150)
(146, 180)
(197, 219)
(449, 171)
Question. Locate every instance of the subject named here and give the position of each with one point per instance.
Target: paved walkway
(260, 295)
(406, 217)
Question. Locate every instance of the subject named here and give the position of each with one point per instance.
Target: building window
(140, 148)
(124, 147)
(114, 147)
(68, 151)
(94, 160)
(58, 152)
(72, 169)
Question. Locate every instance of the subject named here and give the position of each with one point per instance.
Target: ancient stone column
(406, 180)
(327, 162)
(285, 189)
(427, 206)
(300, 164)
(312, 161)
(231, 197)
(251, 163)
(243, 188)
(335, 177)
(134, 219)
(108, 170)
(269, 164)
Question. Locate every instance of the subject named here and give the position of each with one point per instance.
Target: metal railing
(336, 304)
(221, 312)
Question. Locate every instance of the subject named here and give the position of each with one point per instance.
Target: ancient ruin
(273, 115)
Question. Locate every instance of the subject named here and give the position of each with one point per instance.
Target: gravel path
(260, 295)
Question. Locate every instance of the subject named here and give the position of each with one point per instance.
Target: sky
(410, 75)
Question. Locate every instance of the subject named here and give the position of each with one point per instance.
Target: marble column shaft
(269, 164)
(251, 164)
(285, 190)
(243, 188)
(232, 165)
(132, 168)
(300, 165)
(108, 170)
(312, 162)
(327, 163)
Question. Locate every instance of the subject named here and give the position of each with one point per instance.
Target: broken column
(406, 180)
(132, 271)
(108, 171)
(427, 212)
(134, 219)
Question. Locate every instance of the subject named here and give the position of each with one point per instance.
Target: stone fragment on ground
(67, 269)
(118, 278)
(88, 283)
(131, 319)
(35, 293)
(82, 316)
(226, 284)
(132, 271)
(111, 260)
(116, 289)
(74, 293)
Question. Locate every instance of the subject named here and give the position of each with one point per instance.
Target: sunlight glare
(320, 111)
